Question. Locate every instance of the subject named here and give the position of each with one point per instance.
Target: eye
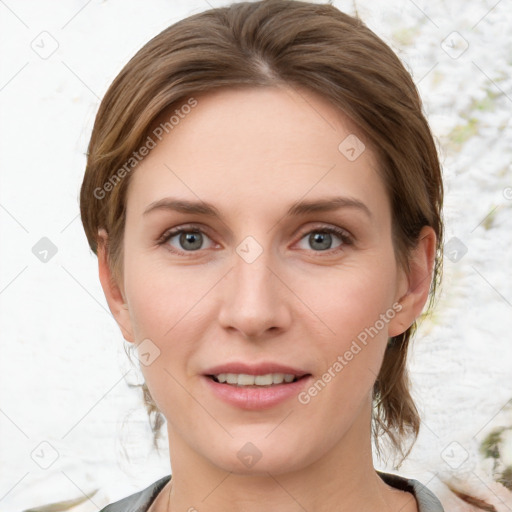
(321, 239)
(189, 239)
(185, 239)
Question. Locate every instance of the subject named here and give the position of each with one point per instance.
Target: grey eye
(187, 240)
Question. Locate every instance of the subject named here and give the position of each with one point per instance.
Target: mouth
(256, 385)
(244, 380)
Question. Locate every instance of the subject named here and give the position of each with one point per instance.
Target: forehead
(246, 143)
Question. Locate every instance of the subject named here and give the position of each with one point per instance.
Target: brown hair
(268, 43)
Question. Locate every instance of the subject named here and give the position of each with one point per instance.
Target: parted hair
(296, 44)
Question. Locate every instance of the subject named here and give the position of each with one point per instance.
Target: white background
(63, 371)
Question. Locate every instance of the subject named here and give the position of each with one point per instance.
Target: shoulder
(426, 499)
(140, 501)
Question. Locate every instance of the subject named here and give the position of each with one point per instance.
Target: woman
(264, 197)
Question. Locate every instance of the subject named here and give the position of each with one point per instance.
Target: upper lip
(254, 369)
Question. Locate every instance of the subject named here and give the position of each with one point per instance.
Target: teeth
(243, 379)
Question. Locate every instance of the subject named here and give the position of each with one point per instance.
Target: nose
(254, 299)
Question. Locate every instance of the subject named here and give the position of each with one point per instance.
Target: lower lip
(253, 398)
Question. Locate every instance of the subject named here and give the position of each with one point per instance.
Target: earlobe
(111, 289)
(418, 278)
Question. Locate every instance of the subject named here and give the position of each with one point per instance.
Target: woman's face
(258, 278)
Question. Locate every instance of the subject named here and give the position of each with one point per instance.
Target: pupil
(323, 238)
(193, 238)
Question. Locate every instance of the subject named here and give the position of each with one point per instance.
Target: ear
(413, 293)
(112, 290)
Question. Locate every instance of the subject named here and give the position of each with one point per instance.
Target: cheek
(163, 299)
(168, 306)
(355, 308)
(349, 300)
(162, 311)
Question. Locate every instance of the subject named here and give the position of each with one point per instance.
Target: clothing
(141, 501)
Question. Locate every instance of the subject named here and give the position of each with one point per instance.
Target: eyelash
(344, 236)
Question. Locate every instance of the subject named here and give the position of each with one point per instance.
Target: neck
(342, 478)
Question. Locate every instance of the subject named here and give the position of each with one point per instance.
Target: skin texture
(252, 153)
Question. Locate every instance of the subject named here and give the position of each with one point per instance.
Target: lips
(254, 369)
(255, 397)
(259, 397)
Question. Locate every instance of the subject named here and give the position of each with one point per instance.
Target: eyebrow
(299, 208)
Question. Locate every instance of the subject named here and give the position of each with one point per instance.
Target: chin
(259, 458)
